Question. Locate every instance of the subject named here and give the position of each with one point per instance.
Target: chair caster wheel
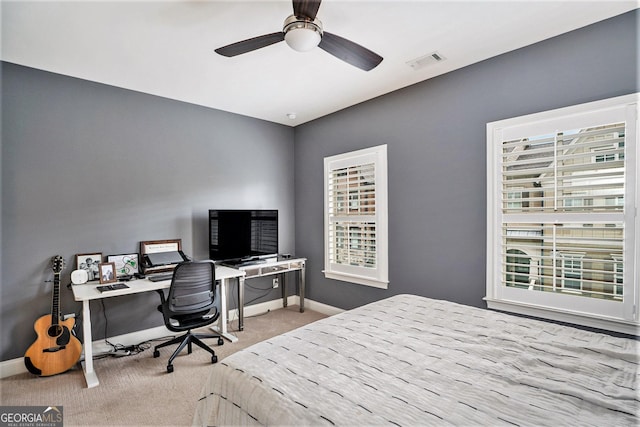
(156, 353)
(169, 368)
(214, 359)
(220, 341)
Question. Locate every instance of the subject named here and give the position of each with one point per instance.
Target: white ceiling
(166, 48)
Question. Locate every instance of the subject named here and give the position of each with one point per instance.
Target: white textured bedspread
(409, 360)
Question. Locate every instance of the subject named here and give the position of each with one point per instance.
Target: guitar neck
(55, 300)
(57, 264)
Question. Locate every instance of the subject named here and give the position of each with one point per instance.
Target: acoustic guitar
(56, 350)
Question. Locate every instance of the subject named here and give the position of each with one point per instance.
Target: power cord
(120, 350)
(266, 292)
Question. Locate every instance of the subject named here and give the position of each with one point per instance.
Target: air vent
(424, 61)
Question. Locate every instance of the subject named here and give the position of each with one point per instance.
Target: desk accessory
(158, 247)
(112, 287)
(55, 350)
(79, 277)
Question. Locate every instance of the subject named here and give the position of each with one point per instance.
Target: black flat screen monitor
(242, 235)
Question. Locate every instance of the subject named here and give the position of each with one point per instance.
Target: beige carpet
(137, 390)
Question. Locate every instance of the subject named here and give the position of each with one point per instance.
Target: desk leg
(222, 322)
(241, 303)
(89, 374)
(282, 278)
(301, 283)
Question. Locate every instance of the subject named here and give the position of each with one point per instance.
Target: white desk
(88, 292)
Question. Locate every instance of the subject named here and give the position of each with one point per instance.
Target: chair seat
(185, 322)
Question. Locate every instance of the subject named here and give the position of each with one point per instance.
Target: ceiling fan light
(302, 34)
(302, 39)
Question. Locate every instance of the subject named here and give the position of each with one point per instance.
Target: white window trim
(378, 276)
(628, 320)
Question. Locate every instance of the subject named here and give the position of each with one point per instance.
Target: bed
(409, 360)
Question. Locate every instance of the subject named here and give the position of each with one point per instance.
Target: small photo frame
(107, 272)
(89, 263)
(126, 264)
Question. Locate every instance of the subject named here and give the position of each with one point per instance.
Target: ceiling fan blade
(249, 45)
(349, 51)
(306, 8)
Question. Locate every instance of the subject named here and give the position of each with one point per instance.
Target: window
(618, 275)
(562, 215)
(610, 152)
(571, 271)
(355, 204)
(517, 268)
(517, 199)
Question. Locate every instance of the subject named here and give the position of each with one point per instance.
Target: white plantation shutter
(562, 231)
(356, 217)
(576, 170)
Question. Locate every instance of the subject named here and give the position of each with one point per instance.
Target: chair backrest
(192, 287)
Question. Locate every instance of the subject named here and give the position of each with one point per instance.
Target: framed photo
(89, 263)
(126, 264)
(107, 272)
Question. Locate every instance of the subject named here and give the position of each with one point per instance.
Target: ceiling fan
(303, 32)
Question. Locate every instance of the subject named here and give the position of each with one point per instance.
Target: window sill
(604, 323)
(356, 279)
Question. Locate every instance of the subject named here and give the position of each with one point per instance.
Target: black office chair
(190, 305)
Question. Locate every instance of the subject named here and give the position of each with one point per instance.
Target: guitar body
(55, 350)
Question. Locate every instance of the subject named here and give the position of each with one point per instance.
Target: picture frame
(126, 264)
(107, 272)
(89, 262)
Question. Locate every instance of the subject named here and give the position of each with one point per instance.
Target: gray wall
(92, 168)
(436, 139)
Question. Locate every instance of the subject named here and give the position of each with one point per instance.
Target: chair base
(187, 340)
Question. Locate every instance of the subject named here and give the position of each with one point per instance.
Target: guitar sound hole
(54, 330)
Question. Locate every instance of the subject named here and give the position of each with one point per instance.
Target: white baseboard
(12, 367)
(261, 308)
(329, 310)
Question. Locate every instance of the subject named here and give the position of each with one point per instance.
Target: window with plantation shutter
(356, 217)
(562, 232)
